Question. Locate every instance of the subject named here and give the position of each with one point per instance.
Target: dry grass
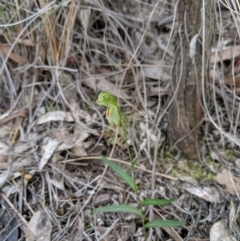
(56, 56)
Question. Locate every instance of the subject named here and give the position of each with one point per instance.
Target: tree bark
(186, 112)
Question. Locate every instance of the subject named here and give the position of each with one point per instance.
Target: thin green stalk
(115, 117)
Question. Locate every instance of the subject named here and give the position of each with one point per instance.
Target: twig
(123, 162)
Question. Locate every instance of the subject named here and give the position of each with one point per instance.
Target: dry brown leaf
(48, 151)
(188, 179)
(21, 147)
(77, 112)
(62, 140)
(102, 199)
(79, 150)
(55, 116)
(58, 184)
(219, 232)
(67, 88)
(104, 85)
(231, 182)
(81, 134)
(233, 81)
(156, 72)
(15, 57)
(226, 54)
(27, 42)
(6, 176)
(5, 131)
(207, 193)
(70, 141)
(8, 189)
(29, 234)
(41, 226)
(19, 164)
(4, 151)
(12, 114)
(66, 140)
(4, 148)
(173, 233)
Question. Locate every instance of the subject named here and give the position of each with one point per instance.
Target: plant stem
(134, 178)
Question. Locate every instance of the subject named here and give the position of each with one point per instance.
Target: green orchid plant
(115, 118)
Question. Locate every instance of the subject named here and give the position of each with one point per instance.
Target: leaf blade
(121, 173)
(156, 202)
(118, 208)
(163, 223)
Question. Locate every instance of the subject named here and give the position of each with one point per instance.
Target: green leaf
(156, 202)
(163, 223)
(118, 208)
(120, 172)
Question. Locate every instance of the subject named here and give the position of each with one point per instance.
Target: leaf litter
(57, 64)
